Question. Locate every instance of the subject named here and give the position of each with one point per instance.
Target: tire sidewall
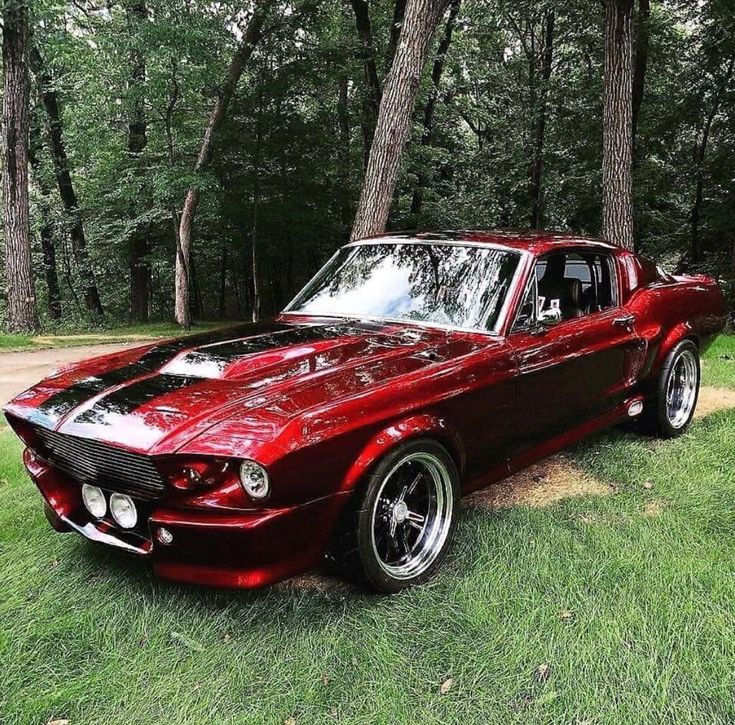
(374, 574)
(665, 429)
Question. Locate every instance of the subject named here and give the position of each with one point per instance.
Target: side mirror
(549, 317)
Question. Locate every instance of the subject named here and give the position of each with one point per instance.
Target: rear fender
(418, 426)
(675, 335)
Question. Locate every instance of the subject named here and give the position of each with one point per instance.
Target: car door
(572, 371)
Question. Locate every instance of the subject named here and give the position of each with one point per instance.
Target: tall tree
(46, 234)
(245, 48)
(139, 259)
(50, 101)
(695, 251)
(428, 120)
(394, 118)
(642, 41)
(399, 12)
(373, 91)
(540, 112)
(617, 125)
(21, 312)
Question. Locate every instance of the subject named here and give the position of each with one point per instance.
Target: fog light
(164, 536)
(94, 500)
(123, 510)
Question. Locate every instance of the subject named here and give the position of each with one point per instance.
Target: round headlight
(94, 500)
(123, 510)
(254, 480)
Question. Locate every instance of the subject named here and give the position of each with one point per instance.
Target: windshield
(449, 285)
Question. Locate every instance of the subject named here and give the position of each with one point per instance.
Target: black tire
(365, 547)
(669, 416)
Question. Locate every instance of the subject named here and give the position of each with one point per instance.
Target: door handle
(624, 320)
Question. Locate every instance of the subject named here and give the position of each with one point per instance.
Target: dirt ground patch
(20, 370)
(654, 507)
(712, 400)
(543, 484)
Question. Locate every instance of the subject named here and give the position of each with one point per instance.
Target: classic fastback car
(411, 370)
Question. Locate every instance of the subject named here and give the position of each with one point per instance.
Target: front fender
(416, 426)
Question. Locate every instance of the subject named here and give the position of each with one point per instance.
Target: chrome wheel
(681, 389)
(412, 515)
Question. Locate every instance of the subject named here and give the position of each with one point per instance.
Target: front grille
(110, 468)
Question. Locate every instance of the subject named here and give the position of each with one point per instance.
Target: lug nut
(164, 536)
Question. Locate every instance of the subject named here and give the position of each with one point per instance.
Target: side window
(578, 283)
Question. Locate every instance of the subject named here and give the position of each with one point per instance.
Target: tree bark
(21, 310)
(50, 269)
(399, 12)
(343, 154)
(256, 208)
(699, 155)
(394, 118)
(373, 91)
(68, 196)
(183, 252)
(617, 125)
(222, 282)
(139, 252)
(642, 37)
(428, 120)
(540, 112)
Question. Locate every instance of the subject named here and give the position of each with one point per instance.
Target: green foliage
(283, 172)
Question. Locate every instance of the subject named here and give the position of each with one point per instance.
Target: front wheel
(405, 518)
(677, 391)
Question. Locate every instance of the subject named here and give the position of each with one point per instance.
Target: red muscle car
(412, 369)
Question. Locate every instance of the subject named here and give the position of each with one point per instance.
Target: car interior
(577, 284)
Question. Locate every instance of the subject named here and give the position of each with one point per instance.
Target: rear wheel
(677, 392)
(405, 518)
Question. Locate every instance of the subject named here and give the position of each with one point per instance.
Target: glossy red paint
(318, 401)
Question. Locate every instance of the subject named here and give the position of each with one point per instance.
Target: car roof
(531, 240)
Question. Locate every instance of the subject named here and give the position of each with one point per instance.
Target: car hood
(158, 398)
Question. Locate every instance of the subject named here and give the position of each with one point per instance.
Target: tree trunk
(68, 196)
(699, 155)
(343, 154)
(428, 121)
(139, 253)
(642, 36)
(50, 269)
(256, 208)
(617, 125)
(373, 92)
(394, 118)
(399, 12)
(222, 282)
(183, 252)
(536, 186)
(21, 311)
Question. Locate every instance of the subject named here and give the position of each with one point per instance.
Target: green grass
(90, 635)
(123, 333)
(718, 365)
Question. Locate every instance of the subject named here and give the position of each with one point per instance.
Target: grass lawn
(132, 333)
(626, 601)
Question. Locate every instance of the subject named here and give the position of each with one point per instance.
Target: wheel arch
(678, 333)
(408, 429)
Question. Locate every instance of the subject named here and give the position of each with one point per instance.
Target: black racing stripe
(66, 400)
(222, 355)
(125, 400)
